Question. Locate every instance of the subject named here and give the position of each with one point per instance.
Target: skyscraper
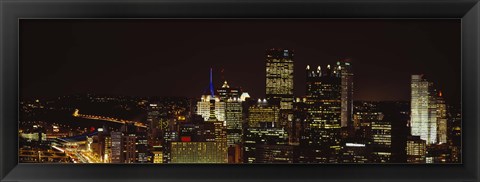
(322, 128)
(234, 121)
(153, 120)
(116, 147)
(267, 145)
(416, 149)
(423, 109)
(441, 119)
(279, 76)
(345, 68)
(210, 107)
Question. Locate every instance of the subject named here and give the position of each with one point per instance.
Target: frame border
(12, 10)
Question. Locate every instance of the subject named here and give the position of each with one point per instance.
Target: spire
(225, 84)
(211, 83)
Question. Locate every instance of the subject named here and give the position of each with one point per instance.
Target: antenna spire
(211, 83)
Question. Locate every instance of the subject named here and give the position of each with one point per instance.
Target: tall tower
(345, 68)
(279, 76)
(210, 107)
(441, 119)
(322, 128)
(423, 109)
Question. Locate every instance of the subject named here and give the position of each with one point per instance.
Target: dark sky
(173, 57)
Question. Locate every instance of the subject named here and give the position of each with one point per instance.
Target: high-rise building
(116, 147)
(267, 145)
(153, 120)
(346, 72)
(129, 144)
(234, 121)
(233, 113)
(279, 76)
(423, 109)
(381, 133)
(416, 149)
(263, 114)
(321, 138)
(141, 148)
(210, 106)
(441, 119)
(199, 152)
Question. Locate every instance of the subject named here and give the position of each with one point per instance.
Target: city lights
(225, 124)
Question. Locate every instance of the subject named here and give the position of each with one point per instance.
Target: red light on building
(92, 129)
(186, 138)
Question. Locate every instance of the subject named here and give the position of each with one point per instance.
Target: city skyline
(103, 67)
(304, 111)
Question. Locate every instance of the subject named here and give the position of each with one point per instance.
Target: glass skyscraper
(279, 76)
(423, 109)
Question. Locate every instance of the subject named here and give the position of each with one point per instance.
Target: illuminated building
(345, 68)
(355, 153)
(235, 154)
(169, 137)
(279, 76)
(124, 145)
(264, 145)
(116, 147)
(440, 153)
(234, 121)
(199, 152)
(416, 149)
(295, 128)
(103, 144)
(322, 129)
(372, 125)
(141, 148)
(381, 134)
(108, 150)
(211, 107)
(233, 112)
(263, 113)
(157, 157)
(153, 119)
(454, 128)
(129, 140)
(383, 126)
(244, 96)
(274, 154)
(423, 109)
(34, 136)
(441, 119)
(226, 92)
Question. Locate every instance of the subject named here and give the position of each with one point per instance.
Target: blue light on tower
(211, 84)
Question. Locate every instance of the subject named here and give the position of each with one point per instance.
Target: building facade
(279, 76)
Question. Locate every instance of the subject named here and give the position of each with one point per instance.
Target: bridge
(104, 118)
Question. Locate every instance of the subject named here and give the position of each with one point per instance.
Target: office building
(279, 76)
(321, 138)
(423, 109)
(346, 72)
(416, 150)
(199, 152)
(263, 145)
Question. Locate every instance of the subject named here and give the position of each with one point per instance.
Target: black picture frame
(11, 10)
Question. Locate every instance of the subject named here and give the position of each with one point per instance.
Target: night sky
(173, 57)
